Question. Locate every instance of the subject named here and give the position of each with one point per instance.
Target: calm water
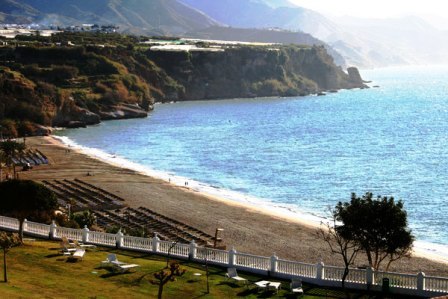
(308, 152)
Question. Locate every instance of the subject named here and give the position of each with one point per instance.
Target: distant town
(13, 30)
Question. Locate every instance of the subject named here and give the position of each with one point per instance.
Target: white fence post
(155, 243)
(232, 254)
(53, 227)
(421, 281)
(85, 234)
(25, 225)
(369, 276)
(274, 260)
(320, 271)
(119, 239)
(193, 250)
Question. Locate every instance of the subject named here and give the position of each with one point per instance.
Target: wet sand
(248, 229)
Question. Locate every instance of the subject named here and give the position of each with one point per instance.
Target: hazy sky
(377, 8)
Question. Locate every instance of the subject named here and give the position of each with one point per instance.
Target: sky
(377, 8)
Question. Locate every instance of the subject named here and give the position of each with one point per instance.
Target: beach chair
(115, 264)
(77, 255)
(67, 248)
(232, 274)
(84, 246)
(296, 287)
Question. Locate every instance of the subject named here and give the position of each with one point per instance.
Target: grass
(37, 270)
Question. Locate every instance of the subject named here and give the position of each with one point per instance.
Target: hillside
(362, 42)
(137, 16)
(109, 76)
(264, 36)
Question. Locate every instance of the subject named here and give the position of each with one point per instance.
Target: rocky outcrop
(124, 112)
(354, 76)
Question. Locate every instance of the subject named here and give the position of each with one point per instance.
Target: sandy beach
(247, 228)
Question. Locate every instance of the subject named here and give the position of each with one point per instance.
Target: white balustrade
(37, 229)
(100, 238)
(296, 268)
(9, 223)
(232, 258)
(436, 284)
(253, 261)
(174, 249)
(404, 281)
(69, 233)
(212, 255)
(336, 274)
(143, 244)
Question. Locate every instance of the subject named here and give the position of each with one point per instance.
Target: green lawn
(37, 270)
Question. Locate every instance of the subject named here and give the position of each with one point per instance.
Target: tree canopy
(379, 226)
(27, 199)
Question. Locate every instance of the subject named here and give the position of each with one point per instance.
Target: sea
(301, 155)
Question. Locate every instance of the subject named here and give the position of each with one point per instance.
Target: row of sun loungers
(81, 197)
(110, 211)
(31, 157)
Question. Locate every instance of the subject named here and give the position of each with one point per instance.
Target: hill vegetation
(79, 79)
(133, 16)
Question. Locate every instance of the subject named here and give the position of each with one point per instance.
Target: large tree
(345, 247)
(27, 200)
(378, 226)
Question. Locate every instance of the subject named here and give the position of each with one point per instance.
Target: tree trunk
(21, 230)
(344, 277)
(4, 266)
(159, 295)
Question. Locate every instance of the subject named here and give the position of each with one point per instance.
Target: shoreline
(425, 249)
(294, 237)
(228, 197)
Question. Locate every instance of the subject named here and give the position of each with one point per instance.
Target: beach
(247, 228)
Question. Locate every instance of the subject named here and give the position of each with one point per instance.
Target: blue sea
(305, 153)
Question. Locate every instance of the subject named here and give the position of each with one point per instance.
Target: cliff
(43, 83)
(248, 71)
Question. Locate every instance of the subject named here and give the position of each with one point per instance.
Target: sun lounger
(84, 246)
(77, 255)
(296, 287)
(113, 262)
(268, 285)
(232, 274)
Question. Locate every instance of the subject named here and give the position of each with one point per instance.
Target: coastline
(290, 236)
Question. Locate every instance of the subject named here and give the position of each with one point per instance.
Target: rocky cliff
(45, 83)
(254, 71)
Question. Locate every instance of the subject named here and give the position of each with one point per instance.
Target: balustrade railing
(252, 261)
(436, 284)
(296, 268)
(336, 274)
(404, 281)
(143, 244)
(317, 273)
(100, 238)
(69, 233)
(37, 229)
(9, 223)
(213, 255)
(173, 248)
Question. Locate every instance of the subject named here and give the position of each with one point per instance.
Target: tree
(11, 149)
(378, 226)
(164, 276)
(27, 200)
(7, 241)
(345, 247)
